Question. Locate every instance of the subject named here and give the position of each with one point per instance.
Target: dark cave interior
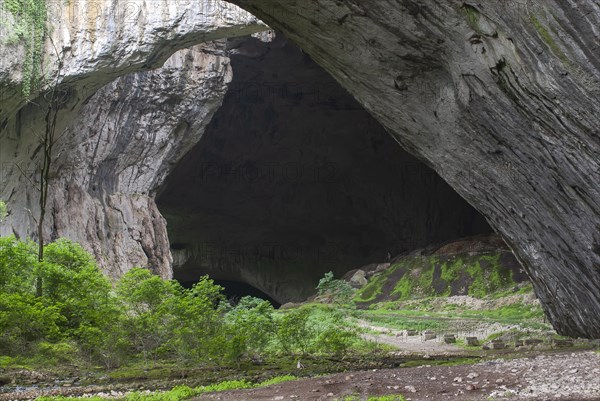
(293, 178)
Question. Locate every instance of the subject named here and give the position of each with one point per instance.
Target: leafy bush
(74, 284)
(314, 329)
(166, 320)
(24, 320)
(18, 262)
(81, 317)
(339, 290)
(249, 326)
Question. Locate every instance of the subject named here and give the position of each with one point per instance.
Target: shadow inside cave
(293, 178)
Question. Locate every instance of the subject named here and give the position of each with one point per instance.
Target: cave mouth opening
(236, 290)
(293, 178)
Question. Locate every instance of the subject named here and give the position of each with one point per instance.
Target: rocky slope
(501, 99)
(118, 137)
(476, 267)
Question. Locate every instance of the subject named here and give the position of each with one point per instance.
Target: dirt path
(570, 376)
(407, 344)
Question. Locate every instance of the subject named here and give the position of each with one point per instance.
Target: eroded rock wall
(99, 41)
(502, 99)
(113, 157)
(120, 132)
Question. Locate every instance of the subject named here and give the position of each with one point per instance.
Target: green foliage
(3, 211)
(374, 287)
(294, 331)
(486, 280)
(57, 353)
(24, 319)
(315, 329)
(249, 326)
(370, 291)
(81, 318)
(339, 290)
(165, 319)
(180, 393)
(73, 283)
(30, 27)
(18, 261)
(424, 277)
(277, 380)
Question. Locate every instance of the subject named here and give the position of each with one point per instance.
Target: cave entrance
(235, 290)
(293, 178)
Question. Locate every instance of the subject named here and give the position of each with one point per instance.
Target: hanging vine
(30, 27)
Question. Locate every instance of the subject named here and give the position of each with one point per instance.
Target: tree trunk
(47, 143)
(502, 99)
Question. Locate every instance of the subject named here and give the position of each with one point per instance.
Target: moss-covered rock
(418, 276)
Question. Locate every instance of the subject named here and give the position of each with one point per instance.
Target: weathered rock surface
(98, 41)
(113, 157)
(117, 141)
(501, 99)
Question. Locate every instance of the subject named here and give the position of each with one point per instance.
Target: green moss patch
(421, 277)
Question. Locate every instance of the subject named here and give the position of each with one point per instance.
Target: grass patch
(404, 320)
(421, 277)
(375, 285)
(276, 380)
(182, 392)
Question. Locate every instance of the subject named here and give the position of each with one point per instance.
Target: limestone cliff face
(502, 99)
(121, 132)
(98, 41)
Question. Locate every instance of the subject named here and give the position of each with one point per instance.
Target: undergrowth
(180, 392)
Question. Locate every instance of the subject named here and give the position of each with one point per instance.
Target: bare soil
(556, 376)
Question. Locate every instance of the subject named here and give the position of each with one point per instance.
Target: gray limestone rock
(502, 99)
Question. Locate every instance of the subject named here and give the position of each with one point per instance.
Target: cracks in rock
(355, 8)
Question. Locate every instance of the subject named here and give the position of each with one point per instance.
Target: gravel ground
(568, 376)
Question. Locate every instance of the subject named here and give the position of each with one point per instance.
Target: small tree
(339, 290)
(54, 100)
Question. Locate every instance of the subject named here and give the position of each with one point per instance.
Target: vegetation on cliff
(30, 29)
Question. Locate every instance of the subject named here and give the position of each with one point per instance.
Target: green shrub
(294, 332)
(315, 329)
(18, 262)
(73, 283)
(249, 326)
(339, 290)
(25, 320)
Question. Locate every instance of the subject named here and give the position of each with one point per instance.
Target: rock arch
(502, 99)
